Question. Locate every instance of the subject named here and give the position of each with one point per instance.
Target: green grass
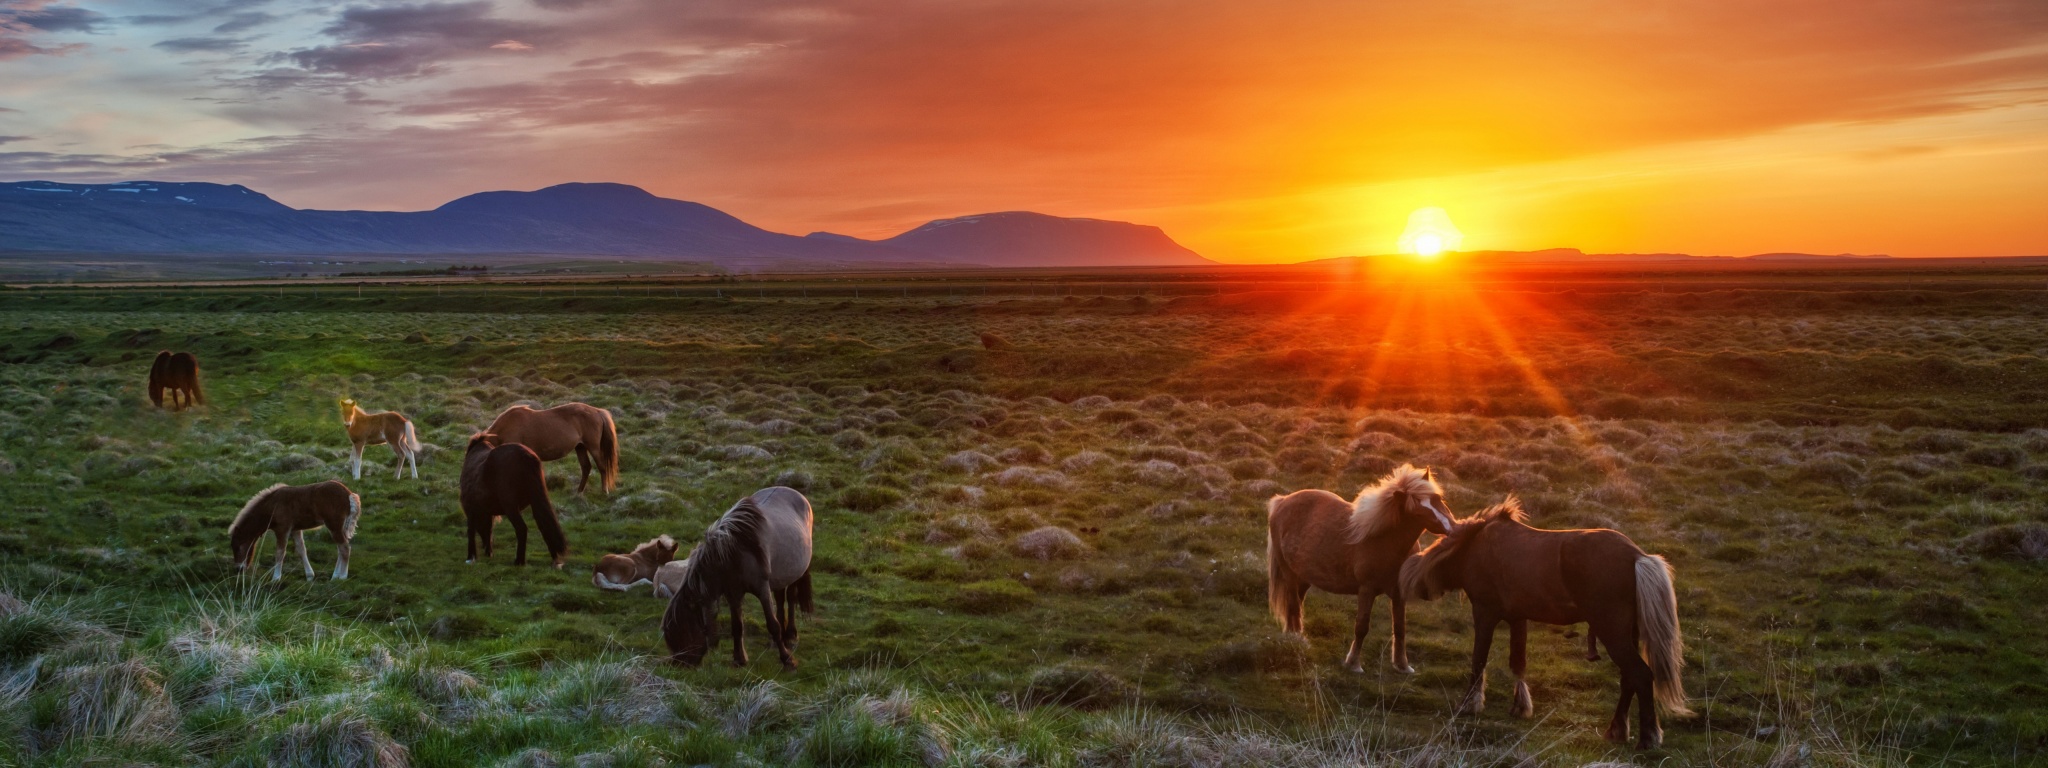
(1045, 554)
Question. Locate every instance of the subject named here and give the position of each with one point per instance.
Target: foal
(289, 511)
(623, 572)
(367, 429)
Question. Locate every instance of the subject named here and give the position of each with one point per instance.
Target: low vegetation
(1048, 551)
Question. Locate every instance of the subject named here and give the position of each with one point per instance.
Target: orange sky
(1249, 131)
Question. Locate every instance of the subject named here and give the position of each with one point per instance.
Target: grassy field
(1046, 548)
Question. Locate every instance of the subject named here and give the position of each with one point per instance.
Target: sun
(1430, 232)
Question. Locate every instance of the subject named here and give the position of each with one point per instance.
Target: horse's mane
(1369, 513)
(248, 517)
(1419, 578)
(735, 534)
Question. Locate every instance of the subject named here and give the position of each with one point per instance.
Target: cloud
(202, 45)
(243, 22)
(511, 45)
(21, 20)
(9, 139)
(411, 40)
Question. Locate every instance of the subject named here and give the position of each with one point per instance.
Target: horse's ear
(1429, 473)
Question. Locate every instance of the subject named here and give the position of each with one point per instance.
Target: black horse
(177, 373)
(499, 481)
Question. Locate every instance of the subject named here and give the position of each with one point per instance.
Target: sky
(1251, 132)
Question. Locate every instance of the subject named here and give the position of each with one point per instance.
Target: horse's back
(1601, 564)
(551, 432)
(1311, 531)
(785, 533)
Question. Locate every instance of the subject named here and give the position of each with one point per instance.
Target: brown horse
(762, 547)
(555, 432)
(178, 373)
(499, 481)
(1317, 539)
(288, 512)
(623, 572)
(384, 427)
(1514, 573)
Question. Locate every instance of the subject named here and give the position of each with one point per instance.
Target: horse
(623, 572)
(384, 427)
(669, 577)
(290, 511)
(177, 372)
(1514, 573)
(499, 481)
(762, 546)
(554, 432)
(1317, 539)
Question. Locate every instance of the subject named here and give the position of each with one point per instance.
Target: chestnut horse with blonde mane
(287, 512)
(383, 427)
(1317, 539)
(554, 432)
(1514, 573)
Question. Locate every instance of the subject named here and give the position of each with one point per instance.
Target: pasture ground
(1045, 552)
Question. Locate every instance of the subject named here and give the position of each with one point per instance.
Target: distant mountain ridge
(1566, 255)
(590, 219)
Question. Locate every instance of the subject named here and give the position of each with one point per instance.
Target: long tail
(412, 439)
(544, 518)
(1279, 591)
(1657, 620)
(355, 512)
(608, 454)
(801, 593)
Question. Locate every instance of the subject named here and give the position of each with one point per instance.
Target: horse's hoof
(1648, 744)
(1405, 669)
(1616, 735)
(1355, 667)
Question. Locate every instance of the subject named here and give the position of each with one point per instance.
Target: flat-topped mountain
(569, 219)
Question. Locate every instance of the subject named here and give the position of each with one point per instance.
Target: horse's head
(481, 441)
(348, 411)
(661, 548)
(690, 627)
(1423, 501)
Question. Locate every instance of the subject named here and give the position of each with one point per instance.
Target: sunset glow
(1430, 232)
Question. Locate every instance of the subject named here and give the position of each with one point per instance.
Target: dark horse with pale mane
(1317, 539)
(1514, 573)
(552, 433)
(499, 481)
(175, 373)
(287, 512)
(761, 547)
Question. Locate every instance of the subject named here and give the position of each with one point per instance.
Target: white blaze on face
(1443, 517)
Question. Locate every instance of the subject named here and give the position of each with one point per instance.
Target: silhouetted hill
(570, 219)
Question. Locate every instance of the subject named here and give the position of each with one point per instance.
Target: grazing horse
(177, 372)
(623, 572)
(288, 511)
(1514, 573)
(499, 481)
(554, 432)
(367, 429)
(762, 546)
(1317, 539)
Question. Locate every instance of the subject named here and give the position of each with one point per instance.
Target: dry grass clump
(611, 692)
(1050, 543)
(744, 710)
(1083, 461)
(958, 527)
(124, 701)
(340, 737)
(967, 461)
(1032, 477)
(2027, 541)
(1077, 685)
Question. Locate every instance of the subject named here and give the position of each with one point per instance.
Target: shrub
(1050, 543)
(994, 596)
(869, 498)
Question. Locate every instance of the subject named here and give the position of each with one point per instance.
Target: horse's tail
(1280, 592)
(544, 518)
(355, 512)
(801, 592)
(1657, 620)
(198, 392)
(411, 438)
(608, 453)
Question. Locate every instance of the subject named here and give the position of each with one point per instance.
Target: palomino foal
(288, 511)
(623, 572)
(366, 429)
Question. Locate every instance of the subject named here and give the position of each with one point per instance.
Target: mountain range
(148, 217)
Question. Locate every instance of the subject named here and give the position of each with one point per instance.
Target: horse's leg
(787, 598)
(1621, 647)
(1400, 653)
(355, 458)
(739, 628)
(775, 627)
(1358, 629)
(1484, 619)
(341, 553)
(398, 460)
(283, 545)
(518, 521)
(583, 459)
(412, 459)
(1592, 644)
(305, 558)
(1518, 660)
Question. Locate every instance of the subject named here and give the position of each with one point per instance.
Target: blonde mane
(250, 508)
(1419, 580)
(1369, 514)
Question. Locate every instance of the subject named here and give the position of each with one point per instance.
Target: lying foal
(623, 572)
